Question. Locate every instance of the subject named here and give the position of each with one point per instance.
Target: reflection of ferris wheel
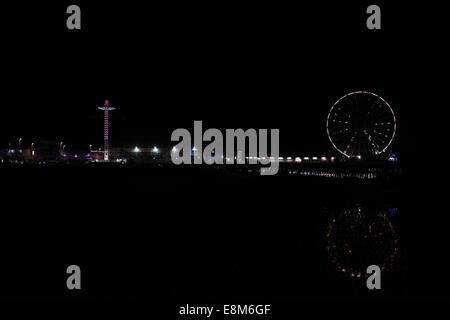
(361, 123)
(359, 237)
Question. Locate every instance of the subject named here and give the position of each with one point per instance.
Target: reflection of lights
(357, 238)
(393, 212)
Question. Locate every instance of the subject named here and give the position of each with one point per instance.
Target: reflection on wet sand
(359, 237)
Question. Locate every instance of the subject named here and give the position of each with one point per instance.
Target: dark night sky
(258, 65)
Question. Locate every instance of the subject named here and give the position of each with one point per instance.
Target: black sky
(262, 65)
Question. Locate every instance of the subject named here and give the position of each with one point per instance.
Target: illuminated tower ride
(106, 108)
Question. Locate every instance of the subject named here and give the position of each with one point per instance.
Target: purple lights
(106, 109)
(106, 125)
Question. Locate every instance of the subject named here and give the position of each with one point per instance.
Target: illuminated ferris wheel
(361, 123)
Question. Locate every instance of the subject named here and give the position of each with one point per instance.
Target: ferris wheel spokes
(361, 123)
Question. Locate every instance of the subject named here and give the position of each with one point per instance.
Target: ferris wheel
(361, 123)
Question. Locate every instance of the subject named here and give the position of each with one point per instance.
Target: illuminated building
(106, 108)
